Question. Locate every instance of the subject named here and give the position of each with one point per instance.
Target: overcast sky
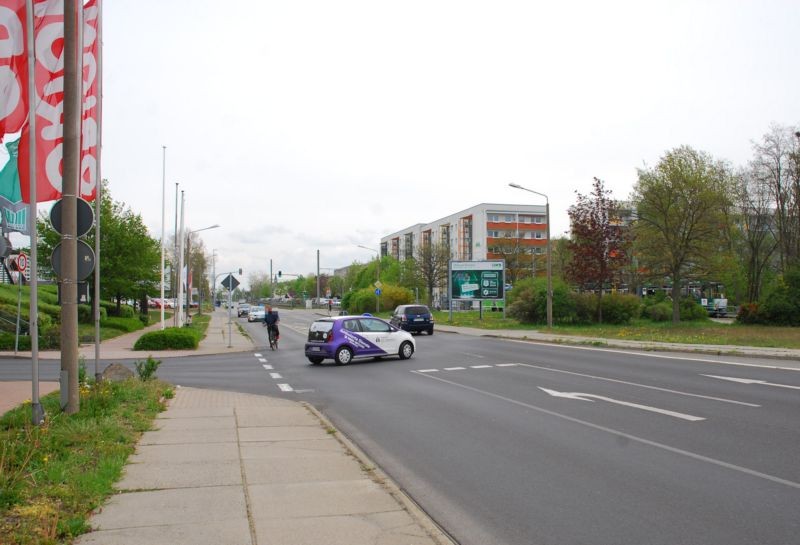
(304, 125)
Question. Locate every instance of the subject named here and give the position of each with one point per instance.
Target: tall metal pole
(175, 272)
(98, 193)
(69, 221)
(37, 413)
(179, 302)
(549, 255)
(317, 276)
(163, 224)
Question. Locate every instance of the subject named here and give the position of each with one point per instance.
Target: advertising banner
(477, 280)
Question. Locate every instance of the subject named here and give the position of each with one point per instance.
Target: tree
(680, 207)
(599, 244)
(777, 166)
(432, 262)
(129, 257)
(520, 259)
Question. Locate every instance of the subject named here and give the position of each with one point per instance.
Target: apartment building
(484, 231)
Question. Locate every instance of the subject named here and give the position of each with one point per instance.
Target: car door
(362, 342)
(379, 333)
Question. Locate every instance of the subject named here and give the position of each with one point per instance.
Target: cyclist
(271, 320)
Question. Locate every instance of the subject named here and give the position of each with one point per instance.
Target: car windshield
(417, 310)
(321, 326)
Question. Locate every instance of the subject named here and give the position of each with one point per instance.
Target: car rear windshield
(321, 326)
(417, 310)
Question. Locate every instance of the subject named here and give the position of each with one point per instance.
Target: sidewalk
(244, 469)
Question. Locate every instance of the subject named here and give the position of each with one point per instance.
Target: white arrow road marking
(275, 375)
(754, 381)
(285, 388)
(267, 367)
(582, 397)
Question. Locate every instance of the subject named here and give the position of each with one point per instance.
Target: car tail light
(328, 336)
(403, 318)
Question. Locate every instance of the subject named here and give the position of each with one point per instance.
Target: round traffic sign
(377, 291)
(84, 212)
(85, 260)
(22, 262)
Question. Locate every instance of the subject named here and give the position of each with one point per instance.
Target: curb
(438, 534)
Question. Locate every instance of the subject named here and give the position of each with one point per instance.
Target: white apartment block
(474, 234)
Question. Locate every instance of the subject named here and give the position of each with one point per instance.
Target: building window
(539, 235)
(509, 218)
(538, 219)
(493, 234)
(494, 217)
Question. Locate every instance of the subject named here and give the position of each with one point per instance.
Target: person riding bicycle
(271, 320)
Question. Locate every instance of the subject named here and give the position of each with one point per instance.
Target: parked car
(255, 314)
(413, 318)
(243, 310)
(344, 338)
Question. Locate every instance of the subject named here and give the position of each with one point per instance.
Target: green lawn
(700, 332)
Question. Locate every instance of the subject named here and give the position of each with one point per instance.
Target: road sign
(85, 216)
(378, 284)
(85, 260)
(22, 262)
(377, 291)
(230, 282)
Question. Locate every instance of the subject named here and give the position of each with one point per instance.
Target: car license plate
(315, 348)
(419, 319)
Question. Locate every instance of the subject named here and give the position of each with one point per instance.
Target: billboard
(477, 280)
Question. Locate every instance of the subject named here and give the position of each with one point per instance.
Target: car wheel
(343, 356)
(406, 350)
(316, 360)
(430, 331)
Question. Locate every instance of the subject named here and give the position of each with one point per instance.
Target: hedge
(171, 338)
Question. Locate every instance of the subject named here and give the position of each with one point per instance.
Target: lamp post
(189, 267)
(377, 297)
(549, 256)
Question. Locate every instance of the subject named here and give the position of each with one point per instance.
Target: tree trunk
(676, 300)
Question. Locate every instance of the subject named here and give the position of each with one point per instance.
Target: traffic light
(240, 272)
(279, 274)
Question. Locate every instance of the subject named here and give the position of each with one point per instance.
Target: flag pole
(98, 190)
(163, 224)
(37, 413)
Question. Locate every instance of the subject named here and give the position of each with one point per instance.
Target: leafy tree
(681, 207)
(129, 257)
(520, 260)
(432, 262)
(599, 243)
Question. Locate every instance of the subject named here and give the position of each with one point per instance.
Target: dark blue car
(343, 338)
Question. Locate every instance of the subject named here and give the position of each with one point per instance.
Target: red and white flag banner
(13, 67)
(49, 83)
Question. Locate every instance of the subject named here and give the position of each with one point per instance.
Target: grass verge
(698, 332)
(52, 476)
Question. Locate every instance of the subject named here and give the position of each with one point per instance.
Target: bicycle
(273, 338)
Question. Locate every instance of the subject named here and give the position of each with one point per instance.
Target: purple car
(343, 338)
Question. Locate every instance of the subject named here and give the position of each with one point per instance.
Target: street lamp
(189, 266)
(377, 297)
(549, 257)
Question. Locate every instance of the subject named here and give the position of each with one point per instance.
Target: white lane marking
(454, 368)
(722, 399)
(304, 391)
(275, 375)
(473, 355)
(267, 367)
(427, 370)
(507, 365)
(262, 360)
(592, 397)
(619, 433)
(754, 381)
(285, 388)
(480, 366)
(257, 355)
(651, 355)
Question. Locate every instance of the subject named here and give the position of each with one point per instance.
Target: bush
(620, 309)
(125, 311)
(147, 369)
(529, 301)
(145, 319)
(692, 310)
(363, 300)
(750, 313)
(585, 307)
(171, 338)
(7, 341)
(86, 314)
(659, 312)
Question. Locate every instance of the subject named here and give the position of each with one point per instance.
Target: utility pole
(69, 221)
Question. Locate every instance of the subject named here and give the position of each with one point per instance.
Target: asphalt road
(508, 442)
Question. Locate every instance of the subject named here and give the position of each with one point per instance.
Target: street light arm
(517, 186)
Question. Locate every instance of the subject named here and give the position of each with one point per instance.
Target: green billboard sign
(477, 280)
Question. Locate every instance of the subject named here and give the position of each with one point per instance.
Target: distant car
(243, 310)
(255, 314)
(413, 318)
(344, 338)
